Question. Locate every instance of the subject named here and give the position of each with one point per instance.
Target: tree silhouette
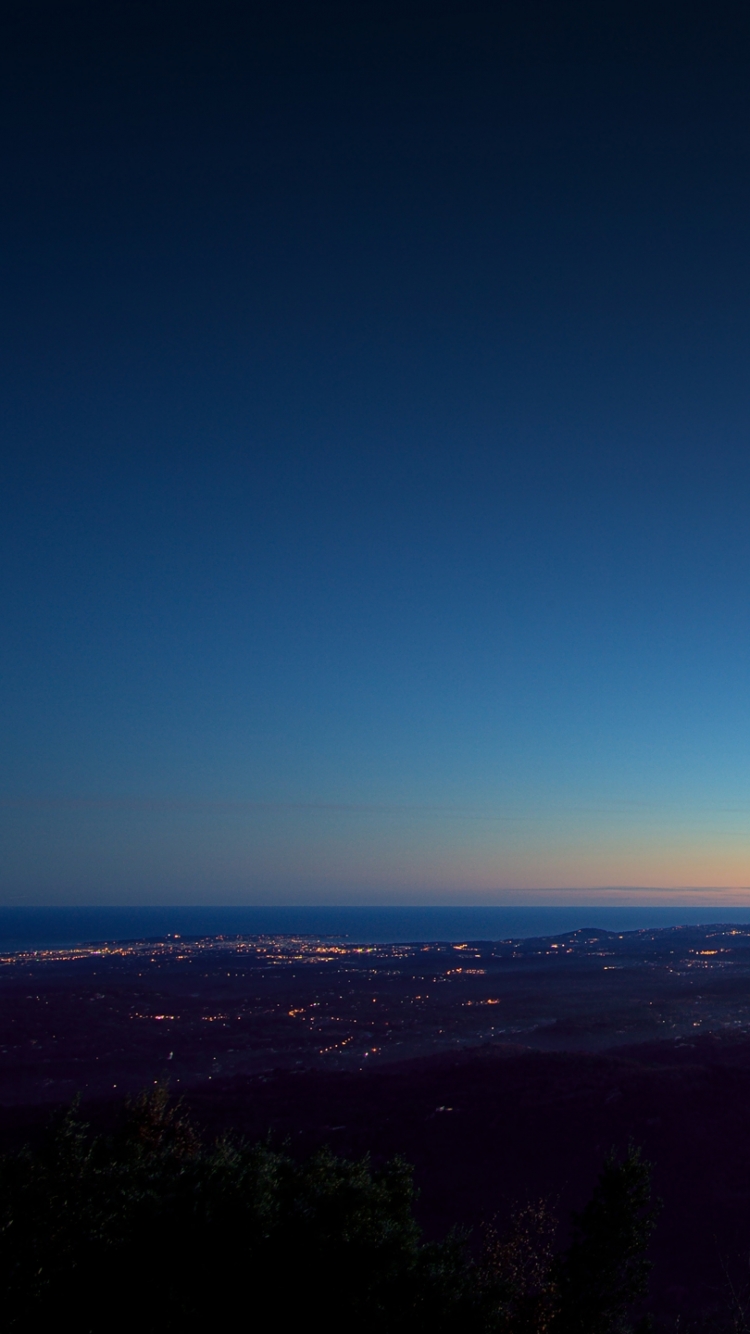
(605, 1270)
(151, 1228)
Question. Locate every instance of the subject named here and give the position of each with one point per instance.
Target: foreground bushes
(150, 1230)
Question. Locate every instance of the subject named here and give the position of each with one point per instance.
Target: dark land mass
(504, 1071)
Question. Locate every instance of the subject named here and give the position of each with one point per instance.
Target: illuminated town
(108, 1018)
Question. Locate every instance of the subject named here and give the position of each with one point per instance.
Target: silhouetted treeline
(150, 1229)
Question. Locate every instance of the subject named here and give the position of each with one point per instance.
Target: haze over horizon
(376, 410)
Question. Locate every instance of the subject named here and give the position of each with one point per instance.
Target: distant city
(111, 1017)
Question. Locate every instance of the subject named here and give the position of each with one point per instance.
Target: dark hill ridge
(502, 1070)
(494, 1126)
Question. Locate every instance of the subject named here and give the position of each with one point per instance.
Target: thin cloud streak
(216, 804)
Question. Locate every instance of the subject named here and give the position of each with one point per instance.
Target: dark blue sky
(375, 415)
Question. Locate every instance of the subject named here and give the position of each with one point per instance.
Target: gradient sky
(374, 515)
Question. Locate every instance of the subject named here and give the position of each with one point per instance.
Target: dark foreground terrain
(503, 1071)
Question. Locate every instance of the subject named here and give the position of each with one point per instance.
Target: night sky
(375, 413)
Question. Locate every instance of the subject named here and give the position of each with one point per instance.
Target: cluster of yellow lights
(271, 949)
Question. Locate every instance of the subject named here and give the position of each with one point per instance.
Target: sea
(43, 928)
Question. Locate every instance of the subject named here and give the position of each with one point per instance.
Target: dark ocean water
(32, 928)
